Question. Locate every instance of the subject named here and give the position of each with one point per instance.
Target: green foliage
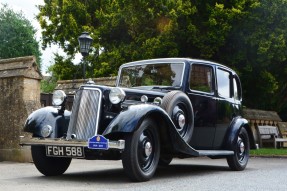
(17, 35)
(64, 69)
(257, 49)
(247, 35)
(269, 152)
(127, 30)
(48, 85)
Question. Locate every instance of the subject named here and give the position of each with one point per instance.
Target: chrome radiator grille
(85, 114)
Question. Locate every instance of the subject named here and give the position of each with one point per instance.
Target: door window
(201, 78)
(223, 82)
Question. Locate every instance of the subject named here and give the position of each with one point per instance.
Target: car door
(201, 93)
(228, 102)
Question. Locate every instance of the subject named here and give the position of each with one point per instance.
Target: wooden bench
(270, 134)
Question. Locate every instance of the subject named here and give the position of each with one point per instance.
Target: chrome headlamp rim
(58, 98)
(117, 95)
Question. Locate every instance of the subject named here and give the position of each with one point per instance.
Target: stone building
(19, 96)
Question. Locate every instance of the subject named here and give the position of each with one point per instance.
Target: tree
(257, 49)
(127, 30)
(48, 84)
(249, 36)
(17, 36)
(64, 69)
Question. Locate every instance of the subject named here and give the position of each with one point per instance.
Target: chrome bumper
(27, 141)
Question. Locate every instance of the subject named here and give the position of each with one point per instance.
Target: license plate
(65, 151)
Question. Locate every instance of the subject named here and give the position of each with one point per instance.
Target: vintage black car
(160, 109)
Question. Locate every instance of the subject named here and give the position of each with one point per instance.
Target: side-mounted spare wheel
(142, 149)
(49, 166)
(180, 110)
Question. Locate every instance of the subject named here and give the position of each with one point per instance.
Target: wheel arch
(129, 121)
(163, 127)
(47, 116)
(232, 134)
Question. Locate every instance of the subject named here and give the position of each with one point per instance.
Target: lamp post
(85, 41)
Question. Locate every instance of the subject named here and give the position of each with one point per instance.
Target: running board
(215, 152)
(183, 147)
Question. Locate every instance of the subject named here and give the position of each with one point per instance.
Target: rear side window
(237, 88)
(201, 78)
(223, 82)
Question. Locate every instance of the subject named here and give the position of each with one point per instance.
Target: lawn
(269, 152)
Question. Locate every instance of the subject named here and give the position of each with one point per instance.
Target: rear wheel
(241, 149)
(49, 166)
(141, 154)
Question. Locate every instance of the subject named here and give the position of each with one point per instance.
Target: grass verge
(269, 152)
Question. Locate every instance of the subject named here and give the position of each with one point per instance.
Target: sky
(29, 9)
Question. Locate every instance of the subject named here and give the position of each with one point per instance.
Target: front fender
(48, 116)
(232, 134)
(129, 119)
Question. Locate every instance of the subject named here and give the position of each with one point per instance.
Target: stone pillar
(19, 96)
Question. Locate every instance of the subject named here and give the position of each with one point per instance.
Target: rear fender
(232, 134)
(48, 116)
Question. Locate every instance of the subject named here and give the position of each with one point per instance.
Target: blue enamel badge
(98, 142)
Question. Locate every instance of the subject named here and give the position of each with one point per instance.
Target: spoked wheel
(240, 158)
(49, 166)
(179, 108)
(141, 154)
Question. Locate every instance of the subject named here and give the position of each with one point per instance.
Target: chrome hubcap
(181, 120)
(241, 147)
(148, 149)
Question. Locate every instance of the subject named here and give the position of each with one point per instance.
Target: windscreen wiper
(165, 87)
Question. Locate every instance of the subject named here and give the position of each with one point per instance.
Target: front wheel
(142, 150)
(240, 158)
(49, 166)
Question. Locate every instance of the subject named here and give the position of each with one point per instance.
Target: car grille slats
(85, 114)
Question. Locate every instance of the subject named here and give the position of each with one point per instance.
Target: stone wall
(19, 96)
(70, 86)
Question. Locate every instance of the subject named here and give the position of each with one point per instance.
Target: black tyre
(142, 150)
(241, 149)
(49, 166)
(179, 108)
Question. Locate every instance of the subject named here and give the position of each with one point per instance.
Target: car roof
(150, 61)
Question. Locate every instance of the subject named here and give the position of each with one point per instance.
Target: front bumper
(28, 141)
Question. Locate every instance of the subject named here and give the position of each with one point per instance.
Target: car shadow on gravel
(115, 176)
(184, 170)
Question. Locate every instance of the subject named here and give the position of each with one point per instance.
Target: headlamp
(117, 95)
(59, 97)
(46, 131)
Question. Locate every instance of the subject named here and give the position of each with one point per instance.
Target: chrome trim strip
(27, 141)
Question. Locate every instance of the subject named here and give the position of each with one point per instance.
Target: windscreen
(147, 76)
